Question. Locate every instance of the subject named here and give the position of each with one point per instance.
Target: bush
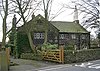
(69, 56)
(81, 55)
(32, 56)
(49, 46)
(70, 45)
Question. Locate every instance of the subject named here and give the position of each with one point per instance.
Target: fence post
(4, 63)
(8, 55)
(62, 49)
(62, 53)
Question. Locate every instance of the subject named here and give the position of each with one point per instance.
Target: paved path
(29, 65)
(87, 66)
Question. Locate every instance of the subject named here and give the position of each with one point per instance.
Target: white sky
(56, 5)
(65, 16)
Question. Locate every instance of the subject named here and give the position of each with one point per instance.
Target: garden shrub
(71, 56)
(32, 56)
(69, 45)
(49, 46)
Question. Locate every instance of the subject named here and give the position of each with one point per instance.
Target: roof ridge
(63, 21)
(64, 26)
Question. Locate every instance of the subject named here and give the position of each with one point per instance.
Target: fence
(54, 55)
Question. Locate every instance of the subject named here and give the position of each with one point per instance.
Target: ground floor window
(38, 35)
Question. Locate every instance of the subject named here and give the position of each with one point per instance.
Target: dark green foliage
(98, 36)
(23, 43)
(69, 56)
(11, 37)
(70, 45)
(94, 44)
(49, 46)
(81, 55)
(11, 41)
(38, 54)
(31, 56)
(99, 39)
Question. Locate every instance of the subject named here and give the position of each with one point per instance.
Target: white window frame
(38, 35)
(62, 36)
(73, 36)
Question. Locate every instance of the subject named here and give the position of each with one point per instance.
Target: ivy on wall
(23, 43)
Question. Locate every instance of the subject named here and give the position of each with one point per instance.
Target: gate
(54, 55)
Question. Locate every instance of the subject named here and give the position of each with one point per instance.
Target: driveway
(86, 66)
(28, 65)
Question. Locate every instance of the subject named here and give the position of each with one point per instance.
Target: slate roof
(70, 27)
(63, 26)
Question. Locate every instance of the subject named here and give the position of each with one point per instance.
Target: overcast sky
(67, 15)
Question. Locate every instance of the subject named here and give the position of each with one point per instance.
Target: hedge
(70, 56)
(81, 55)
(31, 56)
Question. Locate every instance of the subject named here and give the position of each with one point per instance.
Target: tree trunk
(4, 34)
(31, 41)
(4, 67)
(45, 37)
(46, 24)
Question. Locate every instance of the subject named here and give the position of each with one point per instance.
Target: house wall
(77, 40)
(37, 27)
(38, 37)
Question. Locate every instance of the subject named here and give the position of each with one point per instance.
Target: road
(87, 66)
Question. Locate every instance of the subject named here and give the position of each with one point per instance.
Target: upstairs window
(39, 22)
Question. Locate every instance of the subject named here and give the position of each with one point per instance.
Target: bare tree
(4, 14)
(46, 4)
(6, 10)
(24, 10)
(90, 11)
(4, 17)
(47, 9)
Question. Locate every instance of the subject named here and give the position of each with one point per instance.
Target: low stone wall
(81, 55)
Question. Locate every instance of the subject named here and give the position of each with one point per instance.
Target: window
(38, 35)
(61, 36)
(73, 36)
(39, 22)
(83, 36)
(41, 35)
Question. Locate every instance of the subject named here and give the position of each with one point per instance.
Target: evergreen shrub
(71, 56)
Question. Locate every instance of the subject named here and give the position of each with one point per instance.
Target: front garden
(70, 54)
